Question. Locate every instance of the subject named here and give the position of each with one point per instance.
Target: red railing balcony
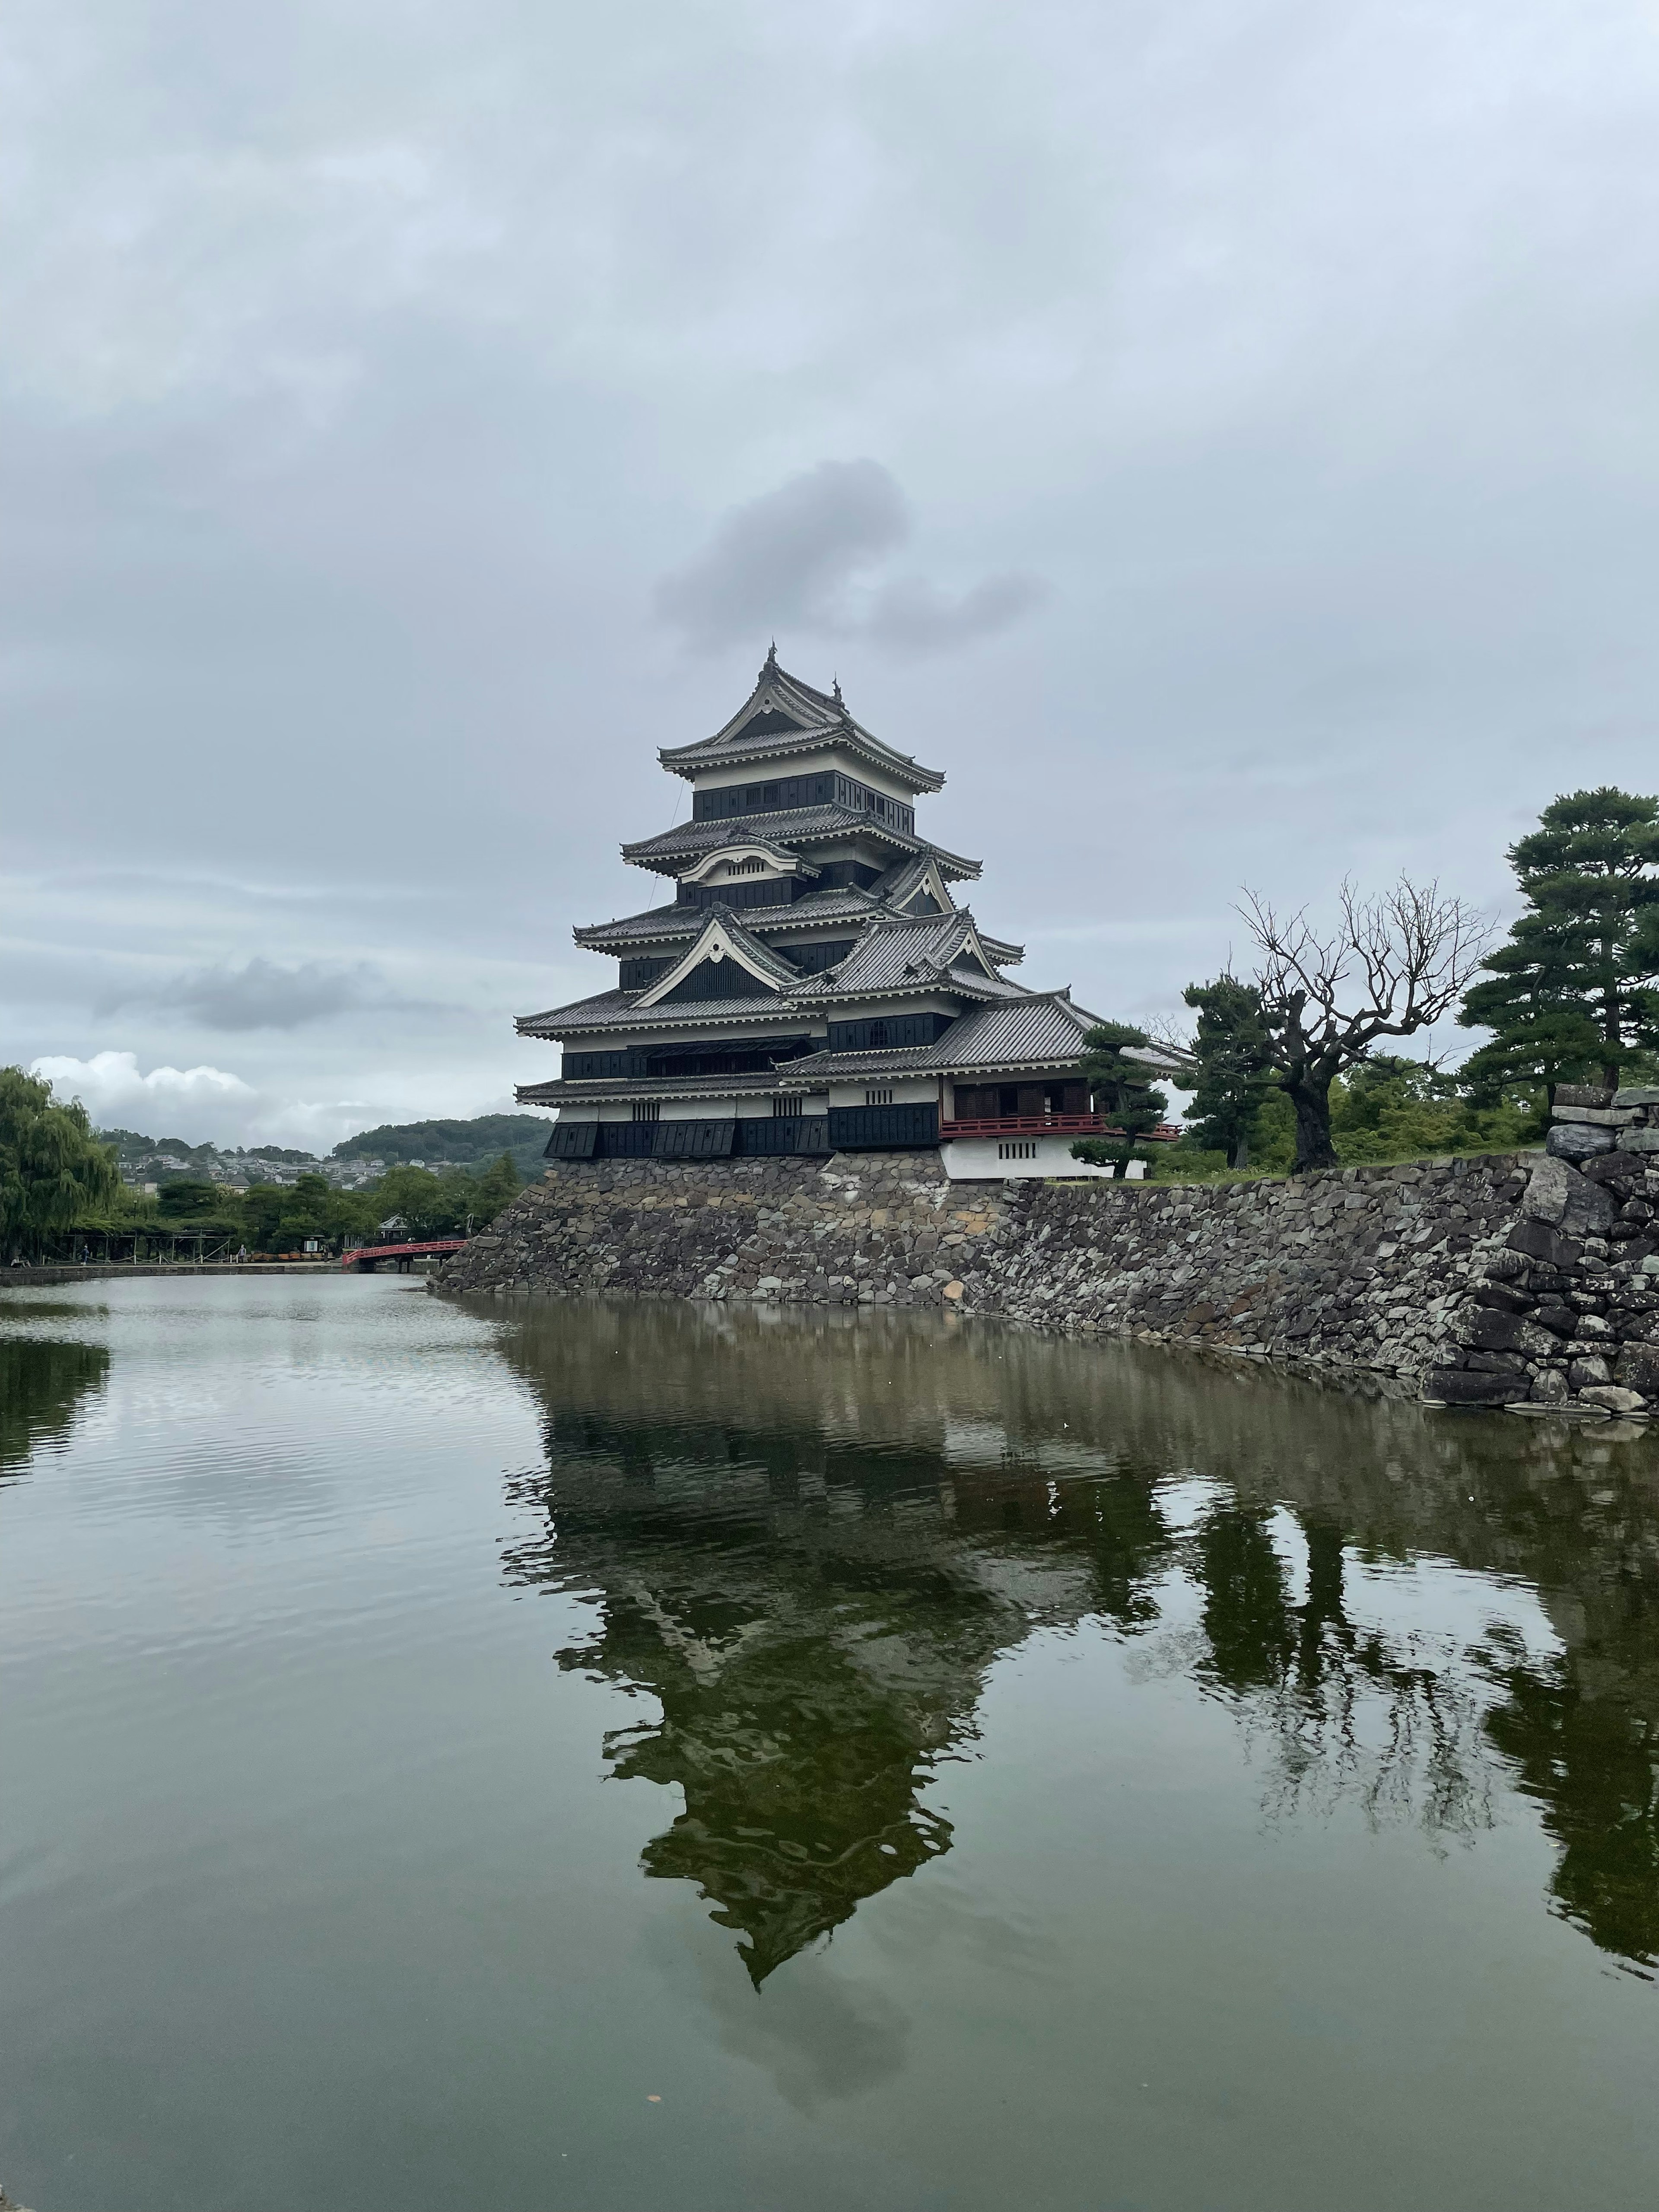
(1049, 1124)
(1026, 1124)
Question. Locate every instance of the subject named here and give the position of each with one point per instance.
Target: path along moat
(632, 1756)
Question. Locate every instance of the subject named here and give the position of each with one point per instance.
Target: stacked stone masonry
(1566, 1311)
(871, 1228)
(1512, 1278)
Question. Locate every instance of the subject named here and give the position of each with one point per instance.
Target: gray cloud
(913, 615)
(785, 561)
(264, 995)
(797, 559)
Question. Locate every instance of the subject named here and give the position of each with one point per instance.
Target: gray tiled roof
(1037, 1029)
(843, 903)
(576, 1092)
(792, 717)
(904, 953)
(797, 826)
(675, 924)
(621, 1009)
(961, 978)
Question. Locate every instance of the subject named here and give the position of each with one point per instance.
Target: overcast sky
(1221, 437)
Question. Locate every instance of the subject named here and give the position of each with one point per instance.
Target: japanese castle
(813, 985)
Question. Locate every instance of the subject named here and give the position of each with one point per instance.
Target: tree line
(60, 1186)
(1286, 1065)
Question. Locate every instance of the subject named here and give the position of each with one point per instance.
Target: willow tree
(51, 1170)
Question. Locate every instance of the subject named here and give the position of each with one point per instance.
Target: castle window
(788, 1109)
(879, 1097)
(647, 1109)
(1017, 1150)
(796, 791)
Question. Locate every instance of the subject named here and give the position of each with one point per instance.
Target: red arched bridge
(366, 1258)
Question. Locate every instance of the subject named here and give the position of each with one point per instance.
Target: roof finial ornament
(770, 665)
(834, 686)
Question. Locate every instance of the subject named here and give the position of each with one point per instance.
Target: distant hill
(455, 1143)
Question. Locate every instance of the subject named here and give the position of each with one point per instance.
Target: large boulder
(1538, 1241)
(1622, 1169)
(1484, 1328)
(1578, 1141)
(1614, 1399)
(1557, 1196)
(1638, 1369)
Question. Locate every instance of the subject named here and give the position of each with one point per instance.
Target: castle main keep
(814, 985)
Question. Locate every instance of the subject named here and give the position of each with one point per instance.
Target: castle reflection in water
(815, 1533)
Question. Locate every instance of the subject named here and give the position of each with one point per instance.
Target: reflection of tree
(42, 1383)
(1352, 1711)
(813, 1537)
(1247, 1608)
(1587, 1756)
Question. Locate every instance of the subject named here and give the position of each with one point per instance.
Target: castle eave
(675, 924)
(808, 825)
(621, 1009)
(615, 1089)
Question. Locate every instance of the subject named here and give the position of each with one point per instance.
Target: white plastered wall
(917, 1091)
(1013, 1159)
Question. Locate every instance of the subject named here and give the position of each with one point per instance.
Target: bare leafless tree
(1400, 961)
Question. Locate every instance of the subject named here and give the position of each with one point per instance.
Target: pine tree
(1123, 1093)
(1572, 993)
(1233, 1052)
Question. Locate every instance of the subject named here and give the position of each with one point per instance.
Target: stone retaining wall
(1565, 1312)
(1504, 1278)
(1358, 1267)
(871, 1228)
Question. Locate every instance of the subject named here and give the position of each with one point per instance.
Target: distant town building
(813, 987)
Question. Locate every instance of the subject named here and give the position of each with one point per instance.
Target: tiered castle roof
(808, 909)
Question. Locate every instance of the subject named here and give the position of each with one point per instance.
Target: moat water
(587, 1758)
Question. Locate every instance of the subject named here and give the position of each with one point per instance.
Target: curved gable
(724, 962)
